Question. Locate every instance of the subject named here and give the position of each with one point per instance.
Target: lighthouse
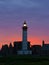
(24, 36)
(24, 50)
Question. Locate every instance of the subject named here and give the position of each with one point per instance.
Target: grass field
(24, 60)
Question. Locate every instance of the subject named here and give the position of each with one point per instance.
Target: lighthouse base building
(25, 51)
(25, 44)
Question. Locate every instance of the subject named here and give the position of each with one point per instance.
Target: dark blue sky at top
(14, 12)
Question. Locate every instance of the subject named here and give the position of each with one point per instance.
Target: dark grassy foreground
(24, 60)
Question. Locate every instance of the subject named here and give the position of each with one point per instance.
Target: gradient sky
(14, 12)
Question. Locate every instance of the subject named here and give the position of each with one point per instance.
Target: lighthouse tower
(24, 36)
(24, 49)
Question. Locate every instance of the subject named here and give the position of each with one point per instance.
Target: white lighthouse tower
(24, 49)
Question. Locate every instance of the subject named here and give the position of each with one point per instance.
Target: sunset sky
(14, 12)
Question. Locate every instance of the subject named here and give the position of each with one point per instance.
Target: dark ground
(24, 60)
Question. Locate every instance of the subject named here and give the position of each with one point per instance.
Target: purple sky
(14, 12)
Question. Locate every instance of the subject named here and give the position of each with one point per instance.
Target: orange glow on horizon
(33, 41)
